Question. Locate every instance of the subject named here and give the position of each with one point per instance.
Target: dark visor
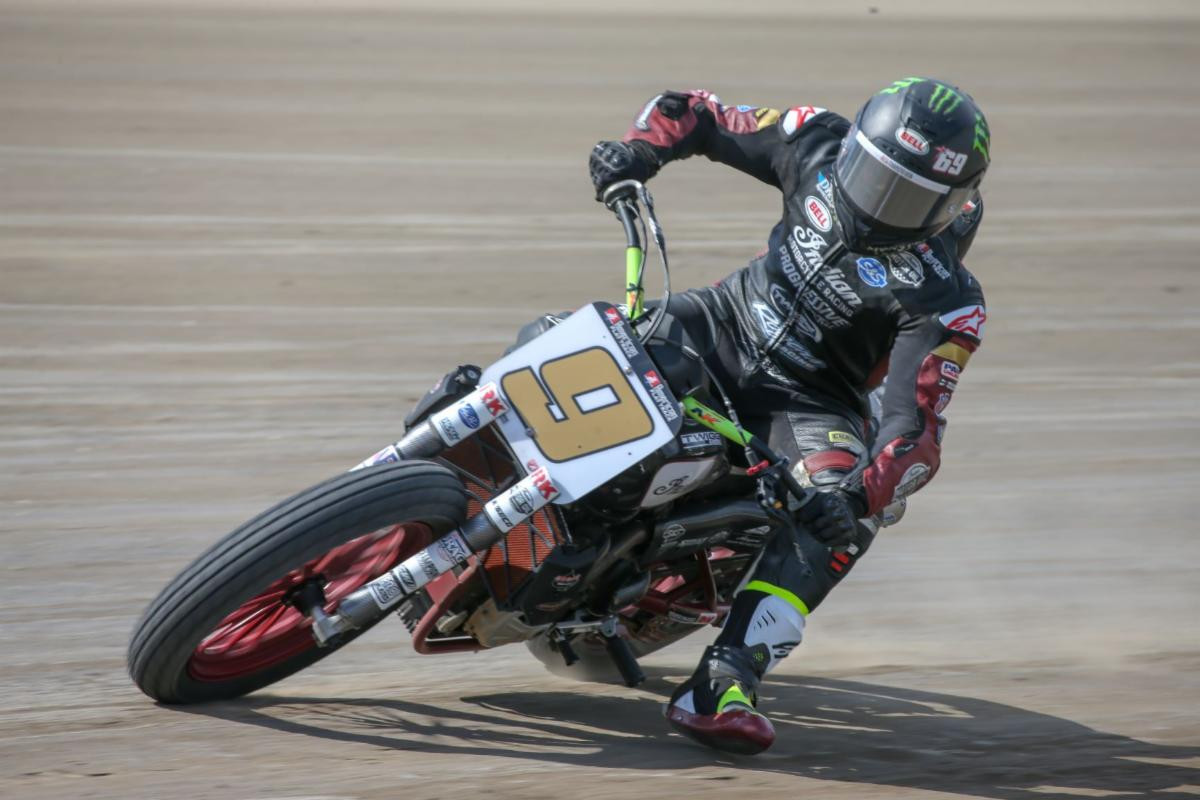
(891, 193)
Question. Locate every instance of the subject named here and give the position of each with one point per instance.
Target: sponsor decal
(796, 117)
(665, 407)
(912, 141)
(541, 482)
(673, 533)
(623, 341)
(427, 566)
(841, 437)
(913, 478)
(703, 440)
(653, 380)
(498, 515)
(522, 500)
(801, 355)
(951, 370)
(767, 321)
(872, 272)
(614, 316)
(766, 117)
(948, 161)
(468, 416)
(932, 261)
(968, 320)
(566, 581)
(818, 214)
(453, 549)
(385, 591)
(906, 268)
(942, 401)
(407, 580)
(492, 402)
(448, 430)
(825, 187)
(673, 486)
(388, 455)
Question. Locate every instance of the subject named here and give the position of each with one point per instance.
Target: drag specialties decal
(825, 187)
(907, 269)
(968, 320)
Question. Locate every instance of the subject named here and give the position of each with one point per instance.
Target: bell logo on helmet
(912, 141)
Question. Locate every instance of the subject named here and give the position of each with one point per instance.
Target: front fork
(442, 429)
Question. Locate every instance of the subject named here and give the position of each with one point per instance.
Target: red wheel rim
(264, 631)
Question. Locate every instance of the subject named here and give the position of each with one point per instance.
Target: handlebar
(632, 203)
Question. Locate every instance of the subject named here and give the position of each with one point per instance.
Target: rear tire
(191, 645)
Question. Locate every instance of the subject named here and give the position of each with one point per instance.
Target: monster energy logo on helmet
(983, 137)
(942, 95)
(903, 83)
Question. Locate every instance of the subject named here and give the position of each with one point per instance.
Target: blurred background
(239, 239)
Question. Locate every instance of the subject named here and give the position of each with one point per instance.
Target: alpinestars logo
(968, 320)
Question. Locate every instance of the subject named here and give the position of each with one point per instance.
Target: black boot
(716, 705)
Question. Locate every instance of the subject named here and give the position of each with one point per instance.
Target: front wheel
(225, 626)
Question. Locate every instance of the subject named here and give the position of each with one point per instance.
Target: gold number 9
(582, 404)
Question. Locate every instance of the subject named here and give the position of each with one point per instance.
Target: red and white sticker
(653, 379)
(818, 214)
(508, 509)
(797, 116)
(614, 316)
(467, 416)
(950, 370)
(912, 141)
(949, 161)
(968, 320)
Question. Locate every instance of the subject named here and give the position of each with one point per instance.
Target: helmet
(916, 153)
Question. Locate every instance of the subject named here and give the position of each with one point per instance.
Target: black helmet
(916, 153)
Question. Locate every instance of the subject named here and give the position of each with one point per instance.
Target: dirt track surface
(237, 242)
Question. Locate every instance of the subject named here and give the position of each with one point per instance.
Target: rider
(861, 280)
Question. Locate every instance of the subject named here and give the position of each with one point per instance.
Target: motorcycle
(580, 495)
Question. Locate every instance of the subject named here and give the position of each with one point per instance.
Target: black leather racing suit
(802, 335)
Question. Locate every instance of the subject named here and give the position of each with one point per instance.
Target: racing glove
(832, 517)
(618, 161)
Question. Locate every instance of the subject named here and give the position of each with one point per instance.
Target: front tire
(223, 626)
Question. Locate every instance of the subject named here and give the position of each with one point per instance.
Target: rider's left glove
(611, 162)
(832, 517)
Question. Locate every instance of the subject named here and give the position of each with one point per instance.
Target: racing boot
(717, 706)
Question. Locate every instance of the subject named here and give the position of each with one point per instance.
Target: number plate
(587, 403)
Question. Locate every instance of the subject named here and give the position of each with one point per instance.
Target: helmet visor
(892, 194)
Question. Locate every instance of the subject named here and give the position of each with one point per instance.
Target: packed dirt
(237, 240)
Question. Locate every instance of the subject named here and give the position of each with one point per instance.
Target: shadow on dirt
(828, 729)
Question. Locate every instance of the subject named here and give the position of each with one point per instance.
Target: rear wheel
(227, 626)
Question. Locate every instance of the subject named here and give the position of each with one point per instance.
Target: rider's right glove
(832, 517)
(617, 161)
